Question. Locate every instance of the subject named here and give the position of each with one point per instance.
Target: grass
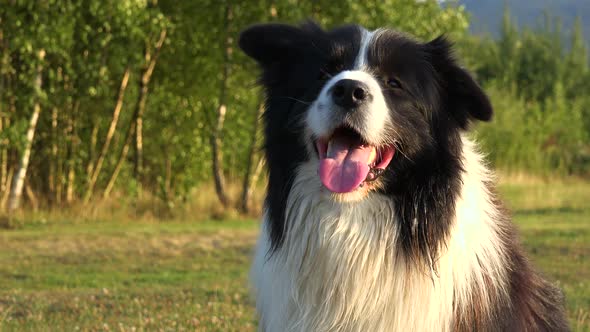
(554, 220)
(69, 275)
(127, 277)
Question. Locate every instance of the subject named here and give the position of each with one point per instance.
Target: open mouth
(347, 161)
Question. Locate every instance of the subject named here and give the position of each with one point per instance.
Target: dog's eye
(324, 74)
(331, 69)
(394, 83)
(338, 67)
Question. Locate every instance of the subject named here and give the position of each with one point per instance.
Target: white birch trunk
(21, 173)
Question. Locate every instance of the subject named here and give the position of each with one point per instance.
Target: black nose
(350, 93)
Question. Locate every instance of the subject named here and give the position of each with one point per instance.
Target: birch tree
(19, 179)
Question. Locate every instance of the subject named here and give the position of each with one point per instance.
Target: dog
(380, 213)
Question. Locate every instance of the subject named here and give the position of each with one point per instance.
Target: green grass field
(192, 276)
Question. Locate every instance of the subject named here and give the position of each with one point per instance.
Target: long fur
(430, 247)
(366, 285)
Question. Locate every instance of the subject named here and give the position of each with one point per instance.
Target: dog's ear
(465, 99)
(271, 43)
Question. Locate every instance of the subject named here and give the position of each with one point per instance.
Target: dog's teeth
(373, 155)
(329, 150)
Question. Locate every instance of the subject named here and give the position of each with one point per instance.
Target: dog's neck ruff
(340, 269)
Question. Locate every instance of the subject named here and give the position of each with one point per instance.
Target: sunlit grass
(96, 275)
(554, 220)
(146, 276)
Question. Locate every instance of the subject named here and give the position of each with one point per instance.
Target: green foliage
(540, 138)
(535, 83)
(535, 80)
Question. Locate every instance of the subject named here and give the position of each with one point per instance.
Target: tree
(96, 168)
(21, 173)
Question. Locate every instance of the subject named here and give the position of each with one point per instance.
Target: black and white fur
(427, 247)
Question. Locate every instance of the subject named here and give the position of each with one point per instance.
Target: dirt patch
(164, 244)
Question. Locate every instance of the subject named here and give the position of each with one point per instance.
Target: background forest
(152, 100)
(131, 173)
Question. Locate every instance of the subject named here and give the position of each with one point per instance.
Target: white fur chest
(338, 269)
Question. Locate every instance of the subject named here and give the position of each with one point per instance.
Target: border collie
(380, 213)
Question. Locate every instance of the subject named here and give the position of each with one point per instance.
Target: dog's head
(378, 112)
(364, 99)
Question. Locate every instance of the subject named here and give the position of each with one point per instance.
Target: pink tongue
(345, 166)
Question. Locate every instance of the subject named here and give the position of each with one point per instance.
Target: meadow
(186, 275)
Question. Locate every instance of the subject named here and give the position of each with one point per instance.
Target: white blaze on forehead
(361, 59)
(323, 116)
